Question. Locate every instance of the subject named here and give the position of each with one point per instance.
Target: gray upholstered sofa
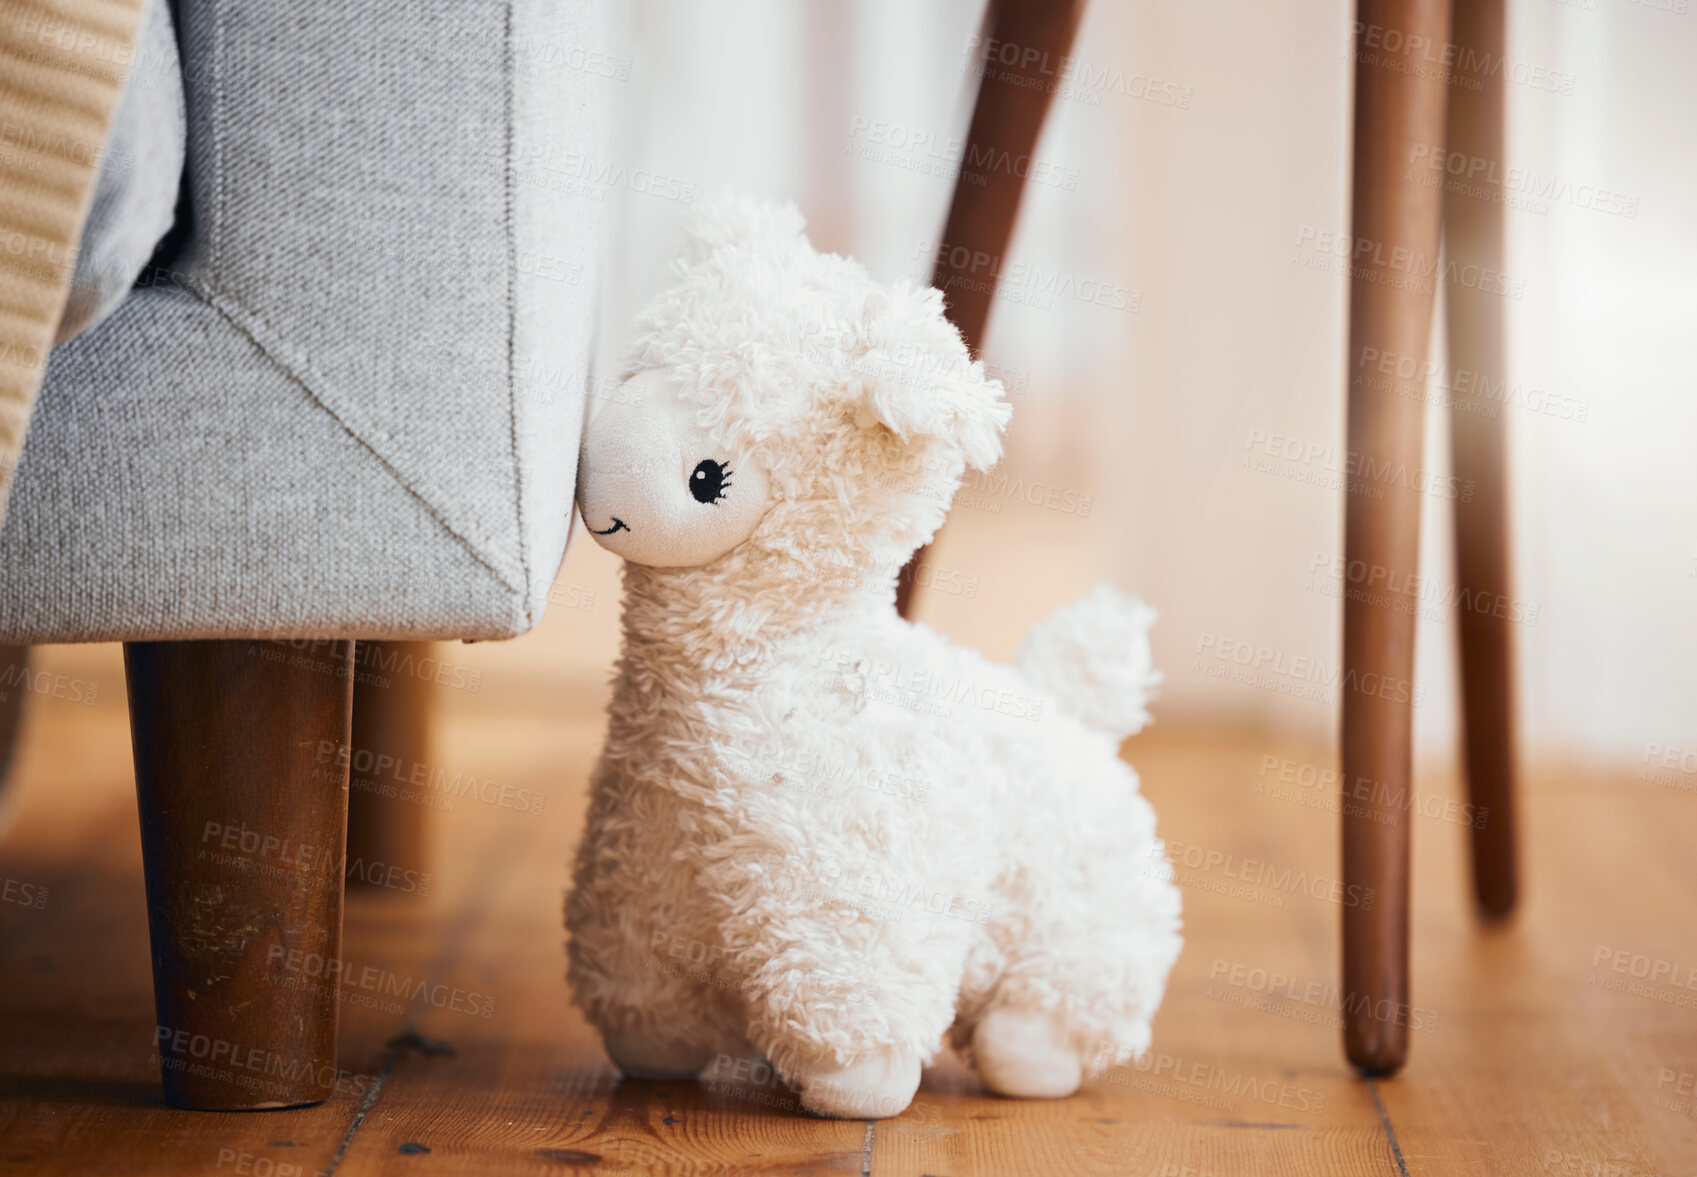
(348, 405)
(326, 382)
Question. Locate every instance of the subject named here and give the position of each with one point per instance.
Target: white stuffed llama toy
(818, 832)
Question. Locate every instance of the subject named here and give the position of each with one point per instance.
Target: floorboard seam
(456, 935)
(866, 1148)
(370, 1101)
(1390, 1133)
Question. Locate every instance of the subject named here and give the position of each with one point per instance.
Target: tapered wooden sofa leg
(1474, 240)
(388, 817)
(1007, 117)
(243, 827)
(1399, 108)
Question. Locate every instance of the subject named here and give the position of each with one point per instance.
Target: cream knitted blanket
(62, 66)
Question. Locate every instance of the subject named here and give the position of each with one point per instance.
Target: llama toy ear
(729, 218)
(920, 382)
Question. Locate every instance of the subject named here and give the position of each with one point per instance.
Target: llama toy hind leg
(1026, 1054)
(874, 1088)
(1083, 955)
(852, 1038)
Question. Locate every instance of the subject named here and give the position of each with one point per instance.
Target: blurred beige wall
(1173, 341)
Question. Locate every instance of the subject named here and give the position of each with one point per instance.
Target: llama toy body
(817, 832)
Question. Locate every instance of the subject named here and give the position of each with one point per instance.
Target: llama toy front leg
(660, 1016)
(849, 1008)
(851, 1055)
(644, 963)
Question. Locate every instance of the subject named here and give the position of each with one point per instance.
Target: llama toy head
(782, 407)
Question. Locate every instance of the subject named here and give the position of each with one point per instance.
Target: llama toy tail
(1093, 656)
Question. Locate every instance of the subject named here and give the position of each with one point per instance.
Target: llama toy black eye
(709, 481)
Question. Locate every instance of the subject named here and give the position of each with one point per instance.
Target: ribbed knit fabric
(141, 175)
(62, 66)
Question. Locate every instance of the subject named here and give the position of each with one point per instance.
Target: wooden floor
(1532, 1054)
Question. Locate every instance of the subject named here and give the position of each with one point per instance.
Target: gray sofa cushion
(353, 410)
(141, 170)
(239, 506)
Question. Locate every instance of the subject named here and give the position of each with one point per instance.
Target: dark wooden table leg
(242, 828)
(1399, 106)
(389, 755)
(1025, 43)
(1477, 326)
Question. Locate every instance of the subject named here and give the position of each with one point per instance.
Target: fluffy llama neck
(691, 629)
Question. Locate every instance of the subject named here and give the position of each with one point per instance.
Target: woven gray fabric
(354, 409)
(141, 169)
